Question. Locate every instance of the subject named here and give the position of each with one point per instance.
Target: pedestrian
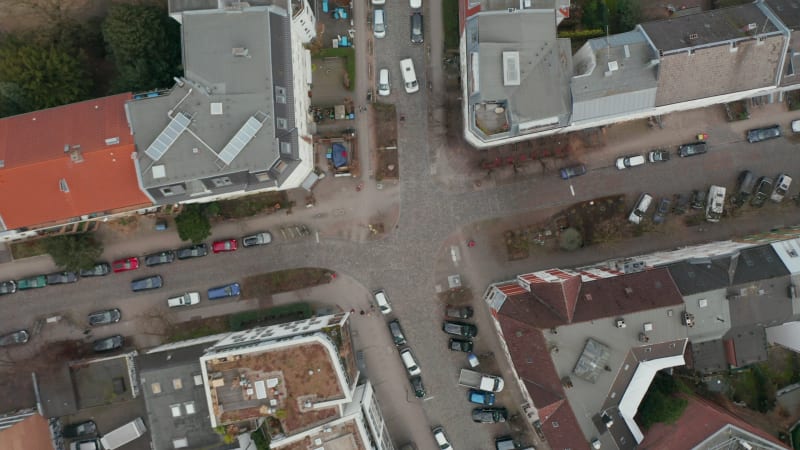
(362, 312)
(372, 307)
(353, 311)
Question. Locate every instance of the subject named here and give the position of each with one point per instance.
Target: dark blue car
(572, 171)
(480, 397)
(220, 292)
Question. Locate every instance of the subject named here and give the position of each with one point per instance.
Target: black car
(762, 192)
(98, 270)
(108, 344)
(419, 388)
(762, 134)
(397, 333)
(572, 171)
(460, 345)
(104, 317)
(658, 155)
(459, 312)
(681, 204)
(745, 185)
(62, 278)
(692, 149)
(661, 211)
(416, 28)
(8, 287)
(144, 284)
(78, 430)
(195, 251)
(156, 259)
(698, 200)
(489, 415)
(17, 337)
(462, 329)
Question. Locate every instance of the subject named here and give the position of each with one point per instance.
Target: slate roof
(701, 275)
(758, 263)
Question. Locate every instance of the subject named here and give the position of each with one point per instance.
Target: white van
(187, 299)
(379, 23)
(409, 75)
(382, 301)
(410, 363)
(640, 209)
(384, 88)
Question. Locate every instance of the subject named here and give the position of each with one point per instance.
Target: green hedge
(349, 55)
(270, 316)
(450, 19)
(581, 34)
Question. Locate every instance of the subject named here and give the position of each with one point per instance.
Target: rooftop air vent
(693, 36)
(750, 27)
(62, 185)
(241, 52)
(511, 69)
(112, 141)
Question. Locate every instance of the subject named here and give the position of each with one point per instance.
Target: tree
(144, 43)
(594, 15)
(627, 15)
(193, 224)
(74, 251)
(660, 404)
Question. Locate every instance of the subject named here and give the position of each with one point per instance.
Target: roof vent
(62, 185)
(628, 291)
(588, 297)
(241, 52)
(612, 67)
(750, 27)
(112, 141)
(159, 171)
(693, 36)
(216, 109)
(66, 148)
(2, 163)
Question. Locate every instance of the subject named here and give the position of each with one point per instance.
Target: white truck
(715, 203)
(187, 299)
(477, 380)
(124, 434)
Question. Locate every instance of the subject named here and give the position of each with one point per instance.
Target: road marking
(572, 190)
(454, 255)
(317, 233)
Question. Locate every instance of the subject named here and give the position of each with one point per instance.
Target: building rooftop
(702, 274)
(745, 345)
(787, 11)
(789, 253)
(342, 435)
(709, 27)
(31, 433)
(710, 313)
(76, 159)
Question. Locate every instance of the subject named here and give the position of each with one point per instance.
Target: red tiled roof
(562, 430)
(687, 431)
(32, 433)
(32, 151)
(561, 296)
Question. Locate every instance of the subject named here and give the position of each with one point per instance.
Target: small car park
(108, 344)
(479, 397)
(572, 171)
(410, 362)
(105, 317)
(262, 238)
(157, 259)
(384, 87)
(187, 299)
(763, 134)
(15, 338)
(227, 245)
(397, 333)
(458, 312)
(79, 430)
(220, 292)
(125, 264)
(642, 205)
(86, 444)
(658, 155)
(489, 415)
(416, 28)
(627, 162)
(692, 149)
(782, 185)
(462, 329)
(194, 251)
(417, 386)
(460, 345)
(62, 278)
(98, 270)
(383, 301)
(147, 283)
(8, 287)
(661, 211)
(36, 282)
(762, 192)
(379, 23)
(441, 438)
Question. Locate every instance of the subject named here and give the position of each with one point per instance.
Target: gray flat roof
(709, 356)
(708, 27)
(758, 263)
(712, 315)
(750, 344)
(498, 5)
(788, 11)
(763, 303)
(700, 275)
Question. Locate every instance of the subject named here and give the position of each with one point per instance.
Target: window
(198, 380)
(155, 388)
(286, 148)
(189, 407)
(280, 166)
(166, 191)
(180, 443)
(222, 181)
(177, 383)
(176, 410)
(281, 123)
(280, 94)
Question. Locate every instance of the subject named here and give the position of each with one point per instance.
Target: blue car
(572, 171)
(219, 292)
(480, 397)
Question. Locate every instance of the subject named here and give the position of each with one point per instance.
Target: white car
(187, 299)
(626, 162)
(441, 439)
(782, 185)
(415, 4)
(383, 301)
(411, 364)
(379, 23)
(796, 126)
(384, 88)
(378, 2)
(640, 209)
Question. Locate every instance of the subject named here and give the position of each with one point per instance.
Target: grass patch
(252, 205)
(349, 55)
(266, 284)
(450, 19)
(27, 249)
(194, 329)
(270, 316)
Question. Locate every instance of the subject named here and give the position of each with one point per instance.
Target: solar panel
(240, 140)
(168, 136)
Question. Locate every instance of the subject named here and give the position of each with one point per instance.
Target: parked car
(108, 344)
(572, 171)
(397, 333)
(762, 134)
(105, 317)
(62, 278)
(460, 345)
(462, 329)
(147, 283)
(698, 199)
(692, 149)
(441, 438)
(415, 4)
(86, 444)
(125, 264)
(383, 301)
(157, 259)
(795, 126)
(782, 185)
(384, 87)
(379, 23)
(220, 292)
(480, 397)
(79, 430)
(15, 338)
(762, 192)
(681, 204)
(257, 239)
(187, 299)
(419, 388)
(661, 211)
(227, 245)
(38, 281)
(195, 251)
(8, 287)
(745, 185)
(410, 362)
(627, 162)
(489, 415)
(658, 155)
(98, 270)
(458, 312)
(640, 209)
(416, 28)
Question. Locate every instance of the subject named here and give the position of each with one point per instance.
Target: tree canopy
(193, 224)
(74, 251)
(660, 404)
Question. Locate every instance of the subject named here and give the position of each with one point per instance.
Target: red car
(228, 245)
(124, 265)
